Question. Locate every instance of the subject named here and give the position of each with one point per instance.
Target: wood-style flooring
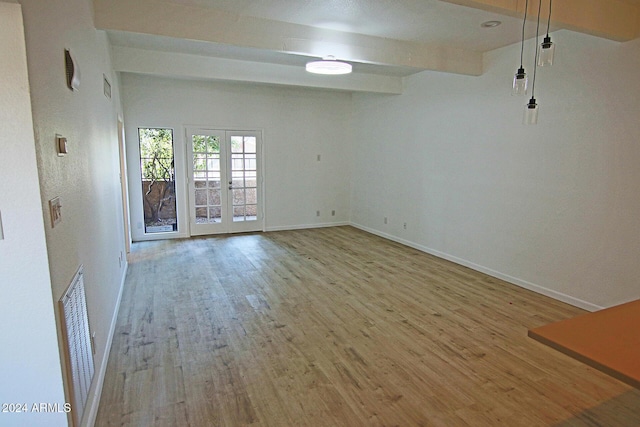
(338, 327)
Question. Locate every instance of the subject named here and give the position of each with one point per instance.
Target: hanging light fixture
(547, 48)
(531, 110)
(328, 65)
(531, 113)
(520, 80)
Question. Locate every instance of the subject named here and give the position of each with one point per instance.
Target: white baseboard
(303, 226)
(507, 278)
(160, 236)
(94, 402)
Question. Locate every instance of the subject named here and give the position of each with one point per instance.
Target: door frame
(124, 188)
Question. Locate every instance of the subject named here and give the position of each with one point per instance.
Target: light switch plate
(61, 145)
(56, 211)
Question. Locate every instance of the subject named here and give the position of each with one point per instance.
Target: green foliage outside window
(158, 175)
(156, 154)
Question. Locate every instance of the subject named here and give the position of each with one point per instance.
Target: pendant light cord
(549, 19)
(535, 62)
(524, 21)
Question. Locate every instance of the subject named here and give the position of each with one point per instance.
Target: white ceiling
(269, 41)
(424, 21)
(429, 22)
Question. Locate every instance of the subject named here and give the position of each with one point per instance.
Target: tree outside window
(158, 179)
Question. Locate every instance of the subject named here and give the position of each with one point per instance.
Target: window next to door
(158, 180)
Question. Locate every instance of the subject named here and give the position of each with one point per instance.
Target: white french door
(225, 191)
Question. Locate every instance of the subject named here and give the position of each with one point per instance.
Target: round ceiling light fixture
(490, 24)
(328, 65)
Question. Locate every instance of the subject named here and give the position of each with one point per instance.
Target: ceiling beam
(612, 19)
(172, 19)
(196, 67)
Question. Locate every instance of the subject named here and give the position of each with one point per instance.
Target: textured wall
(29, 360)
(297, 125)
(86, 179)
(552, 207)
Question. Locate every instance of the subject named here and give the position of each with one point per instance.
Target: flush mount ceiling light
(490, 24)
(328, 65)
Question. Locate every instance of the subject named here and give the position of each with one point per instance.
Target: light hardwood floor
(337, 327)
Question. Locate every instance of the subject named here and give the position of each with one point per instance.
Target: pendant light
(328, 65)
(547, 48)
(531, 113)
(531, 110)
(520, 80)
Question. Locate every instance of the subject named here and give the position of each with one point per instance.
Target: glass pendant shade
(531, 113)
(520, 82)
(547, 50)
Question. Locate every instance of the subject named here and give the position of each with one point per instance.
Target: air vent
(72, 70)
(106, 86)
(79, 351)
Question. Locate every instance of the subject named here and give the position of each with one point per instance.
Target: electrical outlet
(317, 213)
(385, 219)
(318, 158)
(404, 225)
(333, 213)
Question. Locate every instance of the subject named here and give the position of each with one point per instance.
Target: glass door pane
(207, 179)
(224, 188)
(207, 194)
(244, 178)
(158, 180)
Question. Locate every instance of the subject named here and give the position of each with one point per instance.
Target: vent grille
(71, 70)
(78, 342)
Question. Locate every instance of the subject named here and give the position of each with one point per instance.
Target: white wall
(29, 361)
(552, 207)
(297, 125)
(86, 179)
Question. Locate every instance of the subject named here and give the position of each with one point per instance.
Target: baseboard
(92, 413)
(160, 236)
(303, 226)
(576, 302)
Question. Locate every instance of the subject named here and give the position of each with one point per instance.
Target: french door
(225, 191)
